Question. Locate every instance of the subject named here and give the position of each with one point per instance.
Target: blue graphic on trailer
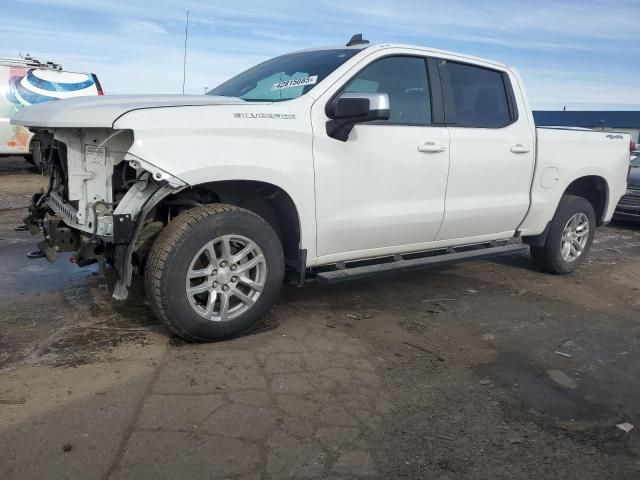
(39, 86)
(43, 84)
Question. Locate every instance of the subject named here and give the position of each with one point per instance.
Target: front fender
(270, 143)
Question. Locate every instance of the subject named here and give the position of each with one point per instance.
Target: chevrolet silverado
(327, 163)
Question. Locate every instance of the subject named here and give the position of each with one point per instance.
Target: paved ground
(482, 370)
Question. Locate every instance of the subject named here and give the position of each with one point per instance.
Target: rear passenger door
(491, 151)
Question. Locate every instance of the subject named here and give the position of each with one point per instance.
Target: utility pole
(184, 61)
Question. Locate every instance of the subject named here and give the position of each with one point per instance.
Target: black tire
(549, 257)
(174, 249)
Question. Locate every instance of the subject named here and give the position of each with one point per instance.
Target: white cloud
(141, 27)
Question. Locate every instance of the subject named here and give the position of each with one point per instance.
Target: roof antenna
(184, 61)
(357, 40)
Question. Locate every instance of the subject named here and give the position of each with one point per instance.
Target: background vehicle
(329, 163)
(28, 81)
(629, 205)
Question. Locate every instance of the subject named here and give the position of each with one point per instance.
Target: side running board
(344, 272)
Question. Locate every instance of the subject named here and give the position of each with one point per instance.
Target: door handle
(431, 147)
(519, 148)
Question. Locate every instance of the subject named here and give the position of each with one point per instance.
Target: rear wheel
(213, 271)
(569, 238)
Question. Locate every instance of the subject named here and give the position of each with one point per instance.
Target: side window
(480, 96)
(405, 80)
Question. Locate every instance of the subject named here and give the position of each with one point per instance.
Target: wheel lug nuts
(223, 264)
(225, 287)
(215, 284)
(234, 279)
(233, 267)
(215, 272)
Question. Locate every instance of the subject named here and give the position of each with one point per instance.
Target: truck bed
(563, 154)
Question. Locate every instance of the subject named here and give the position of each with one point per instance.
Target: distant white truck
(28, 81)
(328, 163)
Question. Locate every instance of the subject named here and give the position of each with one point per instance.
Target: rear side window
(479, 95)
(405, 80)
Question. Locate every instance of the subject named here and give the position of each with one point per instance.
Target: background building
(612, 121)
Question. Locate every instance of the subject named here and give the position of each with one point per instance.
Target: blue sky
(585, 55)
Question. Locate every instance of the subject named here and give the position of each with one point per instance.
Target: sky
(579, 54)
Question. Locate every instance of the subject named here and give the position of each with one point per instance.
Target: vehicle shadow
(16, 165)
(135, 309)
(628, 225)
(521, 260)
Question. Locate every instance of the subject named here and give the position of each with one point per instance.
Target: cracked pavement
(291, 403)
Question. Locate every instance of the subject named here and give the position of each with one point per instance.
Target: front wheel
(213, 271)
(569, 238)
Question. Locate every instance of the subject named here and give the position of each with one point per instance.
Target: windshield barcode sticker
(297, 82)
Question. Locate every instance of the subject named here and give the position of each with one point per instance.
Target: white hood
(103, 111)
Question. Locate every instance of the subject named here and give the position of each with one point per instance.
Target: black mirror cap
(351, 108)
(359, 107)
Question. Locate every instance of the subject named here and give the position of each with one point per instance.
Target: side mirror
(350, 109)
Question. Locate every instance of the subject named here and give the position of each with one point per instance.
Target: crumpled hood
(103, 111)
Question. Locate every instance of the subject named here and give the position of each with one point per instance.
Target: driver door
(382, 191)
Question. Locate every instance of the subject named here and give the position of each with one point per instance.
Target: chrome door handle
(431, 147)
(519, 148)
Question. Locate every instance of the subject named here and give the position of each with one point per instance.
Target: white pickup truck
(328, 163)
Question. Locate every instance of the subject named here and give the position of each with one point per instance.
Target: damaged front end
(99, 200)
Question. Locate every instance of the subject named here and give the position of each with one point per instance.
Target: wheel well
(264, 199)
(595, 190)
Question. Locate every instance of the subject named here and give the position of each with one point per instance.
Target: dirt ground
(483, 370)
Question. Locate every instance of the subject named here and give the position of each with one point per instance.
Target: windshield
(285, 77)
